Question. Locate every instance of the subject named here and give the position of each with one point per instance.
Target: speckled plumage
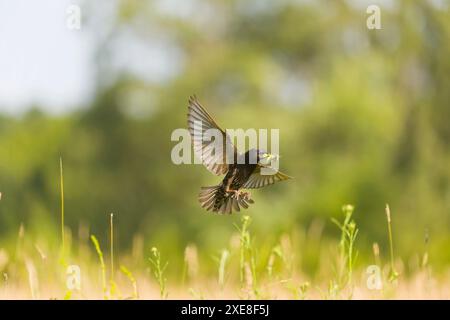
(244, 174)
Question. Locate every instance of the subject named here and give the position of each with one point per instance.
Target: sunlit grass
(347, 255)
(393, 274)
(264, 276)
(61, 177)
(247, 269)
(102, 265)
(158, 269)
(132, 280)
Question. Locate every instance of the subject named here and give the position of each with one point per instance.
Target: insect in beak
(267, 158)
(273, 156)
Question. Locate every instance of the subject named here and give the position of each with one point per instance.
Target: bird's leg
(234, 193)
(246, 195)
(239, 194)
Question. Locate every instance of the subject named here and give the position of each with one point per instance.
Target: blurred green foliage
(364, 118)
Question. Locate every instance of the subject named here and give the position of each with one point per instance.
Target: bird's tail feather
(216, 199)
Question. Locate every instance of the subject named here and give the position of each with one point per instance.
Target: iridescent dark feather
(219, 156)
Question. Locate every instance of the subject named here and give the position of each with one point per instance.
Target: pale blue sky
(41, 60)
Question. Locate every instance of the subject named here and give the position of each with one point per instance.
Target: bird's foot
(246, 195)
(241, 194)
(234, 193)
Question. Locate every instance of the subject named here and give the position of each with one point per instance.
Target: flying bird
(221, 157)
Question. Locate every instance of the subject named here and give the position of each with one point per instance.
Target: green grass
(393, 274)
(247, 260)
(102, 265)
(222, 266)
(158, 269)
(246, 269)
(348, 255)
(63, 237)
(273, 273)
(132, 280)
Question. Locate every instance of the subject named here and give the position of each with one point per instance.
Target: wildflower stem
(61, 177)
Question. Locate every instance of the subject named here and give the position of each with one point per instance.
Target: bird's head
(265, 158)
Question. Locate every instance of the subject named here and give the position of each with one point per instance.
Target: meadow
(245, 269)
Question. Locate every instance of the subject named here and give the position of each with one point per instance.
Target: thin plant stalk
(158, 271)
(111, 230)
(102, 265)
(247, 268)
(393, 274)
(349, 232)
(61, 179)
(222, 264)
(243, 246)
(132, 280)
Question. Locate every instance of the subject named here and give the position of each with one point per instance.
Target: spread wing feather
(258, 180)
(213, 147)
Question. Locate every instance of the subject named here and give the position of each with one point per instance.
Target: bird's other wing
(258, 180)
(215, 155)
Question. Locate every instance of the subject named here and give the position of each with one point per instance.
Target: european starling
(240, 172)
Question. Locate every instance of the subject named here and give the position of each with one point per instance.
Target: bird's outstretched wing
(214, 153)
(258, 180)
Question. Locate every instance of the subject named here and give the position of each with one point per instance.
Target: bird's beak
(268, 158)
(273, 156)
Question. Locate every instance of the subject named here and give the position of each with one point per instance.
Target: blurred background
(363, 117)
